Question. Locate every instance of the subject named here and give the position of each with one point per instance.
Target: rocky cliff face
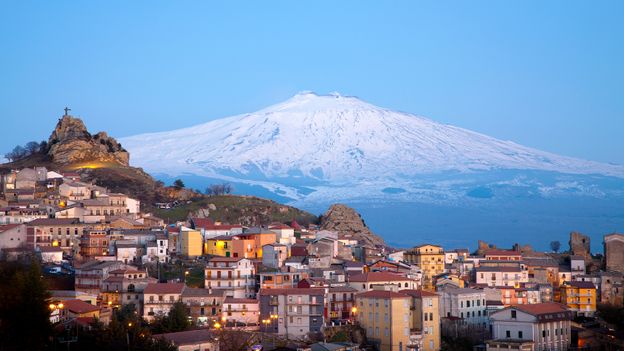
(349, 225)
(70, 143)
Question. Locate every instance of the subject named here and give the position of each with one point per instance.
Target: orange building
(249, 245)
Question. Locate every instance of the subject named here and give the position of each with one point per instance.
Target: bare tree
(555, 245)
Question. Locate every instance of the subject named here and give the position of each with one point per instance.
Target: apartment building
(296, 311)
(158, 298)
(430, 259)
(465, 303)
(90, 275)
(387, 318)
(234, 276)
(501, 275)
(125, 287)
(538, 327)
(580, 297)
(368, 281)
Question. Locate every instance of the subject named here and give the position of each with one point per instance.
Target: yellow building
(425, 318)
(191, 243)
(430, 259)
(219, 246)
(580, 297)
(386, 317)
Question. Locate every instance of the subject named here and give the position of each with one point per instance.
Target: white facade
(547, 331)
(465, 303)
(501, 276)
(235, 276)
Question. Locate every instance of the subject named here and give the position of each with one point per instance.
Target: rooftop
(164, 288)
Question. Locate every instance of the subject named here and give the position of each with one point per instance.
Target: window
(508, 334)
(513, 313)
(467, 303)
(520, 334)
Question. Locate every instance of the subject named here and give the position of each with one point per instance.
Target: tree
(219, 189)
(555, 245)
(176, 320)
(32, 147)
(24, 313)
(178, 184)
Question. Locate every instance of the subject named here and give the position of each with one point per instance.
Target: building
(465, 303)
(192, 340)
(62, 232)
(219, 246)
(190, 243)
(299, 311)
(368, 281)
(285, 234)
(501, 276)
(274, 255)
(425, 317)
(387, 318)
(51, 254)
(203, 305)
(125, 287)
(234, 276)
(543, 326)
(240, 311)
(284, 278)
(249, 245)
(502, 255)
(340, 301)
(159, 298)
(580, 297)
(430, 259)
(90, 275)
(94, 243)
(12, 236)
(614, 252)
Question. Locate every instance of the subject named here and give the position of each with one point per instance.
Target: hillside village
(308, 287)
(272, 277)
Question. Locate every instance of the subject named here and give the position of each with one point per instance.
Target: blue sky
(544, 74)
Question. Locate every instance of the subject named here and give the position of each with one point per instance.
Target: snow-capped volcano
(335, 138)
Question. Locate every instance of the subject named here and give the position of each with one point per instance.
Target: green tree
(176, 320)
(178, 184)
(24, 313)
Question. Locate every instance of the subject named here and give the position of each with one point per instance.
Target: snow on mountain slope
(336, 138)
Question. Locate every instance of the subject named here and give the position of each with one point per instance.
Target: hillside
(98, 158)
(246, 210)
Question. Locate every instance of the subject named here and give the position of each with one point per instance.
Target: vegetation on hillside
(246, 210)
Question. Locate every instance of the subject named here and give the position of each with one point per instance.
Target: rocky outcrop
(71, 143)
(349, 225)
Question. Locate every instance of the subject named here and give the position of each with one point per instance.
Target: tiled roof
(377, 277)
(164, 288)
(581, 285)
(190, 337)
(79, 306)
(541, 308)
(53, 221)
(382, 294)
(418, 293)
(292, 291)
(6, 227)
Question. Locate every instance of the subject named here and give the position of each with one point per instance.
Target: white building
(543, 326)
(234, 275)
(240, 311)
(285, 234)
(465, 303)
(501, 276)
(158, 298)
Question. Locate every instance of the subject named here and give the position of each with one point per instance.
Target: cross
(66, 110)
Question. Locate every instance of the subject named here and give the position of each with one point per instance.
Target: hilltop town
(114, 261)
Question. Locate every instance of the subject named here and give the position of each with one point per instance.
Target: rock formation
(71, 143)
(580, 245)
(349, 225)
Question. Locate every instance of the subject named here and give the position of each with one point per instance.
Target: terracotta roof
(79, 306)
(541, 308)
(581, 285)
(164, 288)
(190, 337)
(196, 292)
(418, 293)
(292, 291)
(377, 277)
(224, 259)
(382, 294)
(201, 222)
(53, 221)
(279, 226)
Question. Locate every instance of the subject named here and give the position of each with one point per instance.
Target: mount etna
(413, 179)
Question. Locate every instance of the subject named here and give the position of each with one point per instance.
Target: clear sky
(546, 74)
